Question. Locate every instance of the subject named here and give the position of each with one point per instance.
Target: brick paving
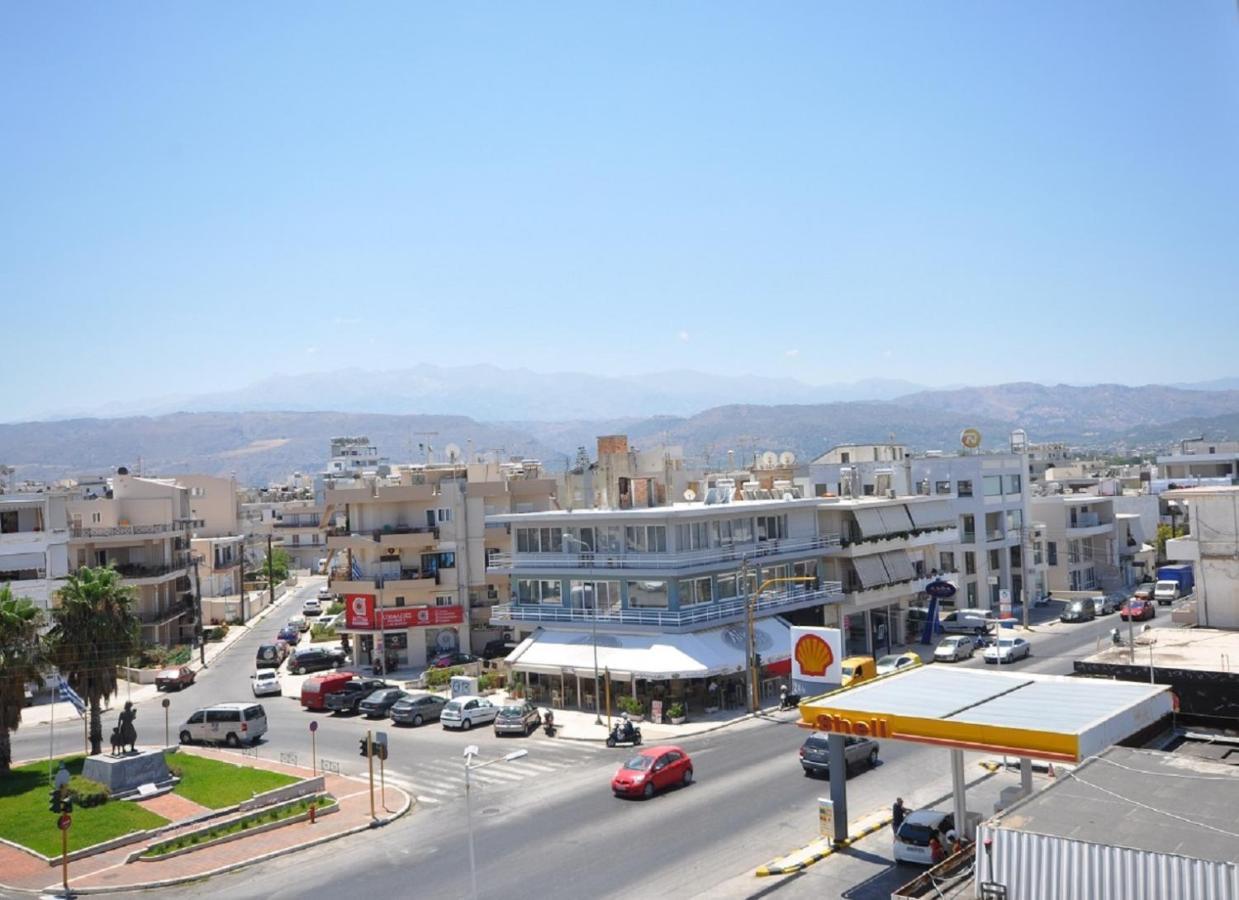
(172, 807)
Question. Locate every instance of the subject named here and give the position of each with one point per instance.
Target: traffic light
(365, 751)
(53, 800)
(66, 805)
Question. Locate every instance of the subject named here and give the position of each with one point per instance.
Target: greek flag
(355, 568)
(64, 692)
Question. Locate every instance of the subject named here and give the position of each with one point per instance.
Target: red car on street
(652, 769)
(1136, 609)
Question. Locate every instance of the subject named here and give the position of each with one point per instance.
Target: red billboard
(360, 615)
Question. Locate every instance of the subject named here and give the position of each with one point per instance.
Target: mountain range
(261, 445)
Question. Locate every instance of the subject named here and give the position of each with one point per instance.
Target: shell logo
(813, 654)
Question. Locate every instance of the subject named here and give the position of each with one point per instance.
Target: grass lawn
(216, 784)
(25, 819)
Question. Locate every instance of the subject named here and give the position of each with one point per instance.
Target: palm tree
(21, 662)
(94, 630)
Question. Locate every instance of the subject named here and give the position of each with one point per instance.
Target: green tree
(1164, 534)
(95, 629)
(275, 565)
(22, 660)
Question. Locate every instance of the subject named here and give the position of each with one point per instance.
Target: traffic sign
(314, 726)
(166, 703)
(64, 822)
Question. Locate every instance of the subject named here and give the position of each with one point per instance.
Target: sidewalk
(109, 871)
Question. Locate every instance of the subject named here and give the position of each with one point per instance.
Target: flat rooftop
(1139, 799)
(1199, 649)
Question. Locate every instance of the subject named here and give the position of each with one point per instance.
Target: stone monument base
(125, 774)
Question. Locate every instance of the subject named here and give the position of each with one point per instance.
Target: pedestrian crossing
(442, 780)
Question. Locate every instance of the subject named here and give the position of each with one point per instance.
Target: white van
(233, 724)
(1166, 592)
(967, 621)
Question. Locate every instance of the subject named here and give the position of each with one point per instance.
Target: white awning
(895, 518)
(15, 562)
(870, 571)
(898, 565)
(702, 654)
(933, 514)
(870, 522)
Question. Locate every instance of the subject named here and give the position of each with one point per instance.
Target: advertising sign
(817, 655)
(360, 614)
(656, 711)
(825, 817)
(359, 610)
(1004, 603)
(940, 589)
(463, 685)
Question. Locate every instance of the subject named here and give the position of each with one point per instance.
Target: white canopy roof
(657, 656)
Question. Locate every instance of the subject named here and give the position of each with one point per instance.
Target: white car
(311, 607)
(324, 594)
(911, 842)
(955, 647)
(1007, 650)
(266, 683)
(465, 712)
(299, 622)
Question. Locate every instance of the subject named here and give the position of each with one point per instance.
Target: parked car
(379, 703)
(271, 655)
(857, 669)
(324, 594)
(966, 622)
(311, 607)
(912, 839)
(497, 649)
(1144, 591)
(1078, 611)
(652, 769)
(1104, 604)
(417, 708)
(348, 698)
(1138, 610)
(265, 683)
(447, 660)
(179, 678)
(316, 659)
(857, 752)
(1007, 650)
(301, 623)
(897, 662)
(467, 711)
(314, 691)
(229, 723)
(955, 647)
(517, 718)
(290, 635)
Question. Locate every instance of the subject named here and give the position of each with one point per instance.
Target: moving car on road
(325, 595)
(271, 655)
(467, 711)
(1007, 650)
(1138, 610)
(652, 769)
(290, 635)
(418, 707)
(348, 698)
(897, 662)
(179, 678)
(1079, 611)
(311, 607)
(1104, 604)
(857, 752)
(966, 622)
(517, 718)
(379, 704)
(265, 683)
(955, 647)
(229, 723)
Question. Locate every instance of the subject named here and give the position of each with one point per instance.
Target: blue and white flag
(64, 692)
(355, 568)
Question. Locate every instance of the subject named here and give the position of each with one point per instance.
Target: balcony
(916, 539)
(502, 562)
(115, 531)
(142, 571)
(391, 579)
(1086, 520)
(691, 618)
(156, 618)
(287, 523)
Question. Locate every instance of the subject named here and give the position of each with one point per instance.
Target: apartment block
(1212, 547)
(143, 527)
(1081, 542)
(1199, 460)
(291, 518)
(34, 544)
(624, 477)
(409, 550)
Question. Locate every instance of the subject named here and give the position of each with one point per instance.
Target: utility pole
(270, 574)
(198, 613)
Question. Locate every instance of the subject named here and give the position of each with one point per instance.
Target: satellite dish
(453, 453)
(787, 458)
(769, 459)
(690, 495)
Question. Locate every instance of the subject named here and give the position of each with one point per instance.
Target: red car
(1137, 610)
(179, 678)
(652, 769)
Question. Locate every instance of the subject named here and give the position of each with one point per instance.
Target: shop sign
(872, 727)
(940, 589)
(816, 654)
(359, 610)
(360, 613)
(656, 711)
(825, 817)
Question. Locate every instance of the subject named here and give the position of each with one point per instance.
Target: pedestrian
(935, 849)
(897, 813)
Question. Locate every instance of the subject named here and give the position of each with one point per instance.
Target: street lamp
(750, 615)
(564, 540)
(470, 752)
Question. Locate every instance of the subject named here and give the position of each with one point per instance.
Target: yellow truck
(857, 669)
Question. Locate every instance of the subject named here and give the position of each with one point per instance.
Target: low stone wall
(136, 676)
(283, 794)
(137, 856)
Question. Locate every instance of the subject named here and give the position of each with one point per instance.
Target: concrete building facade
(34, 544)
(1212, 547)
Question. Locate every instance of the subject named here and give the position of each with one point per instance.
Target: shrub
(630, 705)
(322, 633)
(215, 634)
(87, 793)
(675, 710)
(440, 677)
(335, 608)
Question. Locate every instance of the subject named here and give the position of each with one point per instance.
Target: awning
(934, 514)
(895, 518)
(898, 566)
(870, 522)
(870, 571)
(718, 651)
(15, 562)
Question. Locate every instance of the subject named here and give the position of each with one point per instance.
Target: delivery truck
(1173, 582)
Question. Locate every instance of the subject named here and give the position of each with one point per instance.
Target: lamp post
(751, 674)
(564, 540)
(470, 752)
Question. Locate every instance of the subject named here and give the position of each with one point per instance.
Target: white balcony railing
(1086, 520)
(600, 559)
(715, 612)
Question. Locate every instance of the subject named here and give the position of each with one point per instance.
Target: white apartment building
(409, 554)
(1081, 542)
(1212, 547)
(352, 457)
(291, 518)
(1198, 459)
(34, 544)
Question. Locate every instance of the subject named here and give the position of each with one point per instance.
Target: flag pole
(51, 735)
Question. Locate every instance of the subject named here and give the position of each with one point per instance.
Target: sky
(194, 196)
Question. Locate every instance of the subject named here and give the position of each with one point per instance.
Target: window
(942, 487)
(1015, 519)
(433, 562)
(993, 526)
(972, 594)
(970, 563)
(96, 518)
(447, 599)
(995, 561)
(443, 514)
(551, 540)
(963, 488)
(531, 590)
(993, 485)
(1051, 553)
(644, 594)
(399, 601)
(1011, 484)
(645, 538)
(1073, 551)
(695, 536)
(946, 561)
(771, 528)
(602, 595)
(970, 529)
(694, 591)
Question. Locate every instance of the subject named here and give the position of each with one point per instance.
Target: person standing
(897, 814)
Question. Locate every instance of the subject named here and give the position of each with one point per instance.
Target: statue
(125, 732)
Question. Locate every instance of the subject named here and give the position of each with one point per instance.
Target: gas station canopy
(1051, 717)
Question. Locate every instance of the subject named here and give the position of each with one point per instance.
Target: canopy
(870, 522)
(870, 571)
(898, 566)
(895, 518)
(932, 514)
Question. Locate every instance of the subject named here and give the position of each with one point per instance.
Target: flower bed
(242, 826)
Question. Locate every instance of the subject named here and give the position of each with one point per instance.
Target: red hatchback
(1137, 610)
(652, 769)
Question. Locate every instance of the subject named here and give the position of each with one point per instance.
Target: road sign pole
(314, 748)
(64, 851)
(382, 781)
(167, 740)
(370, 760)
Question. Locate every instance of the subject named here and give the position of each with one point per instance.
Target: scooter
(624, 735)
(548, 723)
(789, 701)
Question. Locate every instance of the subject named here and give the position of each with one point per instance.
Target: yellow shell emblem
(814, 655)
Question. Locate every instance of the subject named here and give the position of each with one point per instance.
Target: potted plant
(632, 706)
(675, 712)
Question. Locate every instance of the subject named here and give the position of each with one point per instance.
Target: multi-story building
(409, 554)
(624, 477)
(352, 457)
(34, 544)
(1081, 542)
(291, 518)
(1212, 547)
(1199, 460)
(142, 526)
(218, 545)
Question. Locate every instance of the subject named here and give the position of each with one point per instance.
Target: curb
(765, 715)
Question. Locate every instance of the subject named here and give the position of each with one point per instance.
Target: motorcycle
(548, 723)
(789, 701)
(624, 733)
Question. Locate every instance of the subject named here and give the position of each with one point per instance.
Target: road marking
(421, 799)
(539, 767)
(570, 745)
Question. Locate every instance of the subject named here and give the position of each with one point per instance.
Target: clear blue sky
(195, 195)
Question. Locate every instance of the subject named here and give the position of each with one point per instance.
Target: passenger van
(967, 622)
(233, 724)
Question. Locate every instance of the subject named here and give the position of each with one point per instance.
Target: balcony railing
(377, 534)
(285, 523)
(142, 570)
(968, 537)
(719, 611)
(1086, 520)
(125, 530)
(379, 578)
(600, 559)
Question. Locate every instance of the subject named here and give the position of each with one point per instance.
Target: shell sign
(816, 654)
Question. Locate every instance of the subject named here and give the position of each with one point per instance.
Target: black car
(497, 649)
(270, 656)
(857, 752)
(414, 709)
(315, 659)
(1079, 611)
(379, 704)
(349, 697)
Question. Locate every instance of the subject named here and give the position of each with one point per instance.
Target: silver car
(1104, 605)
(465, 712)
(955, 647)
